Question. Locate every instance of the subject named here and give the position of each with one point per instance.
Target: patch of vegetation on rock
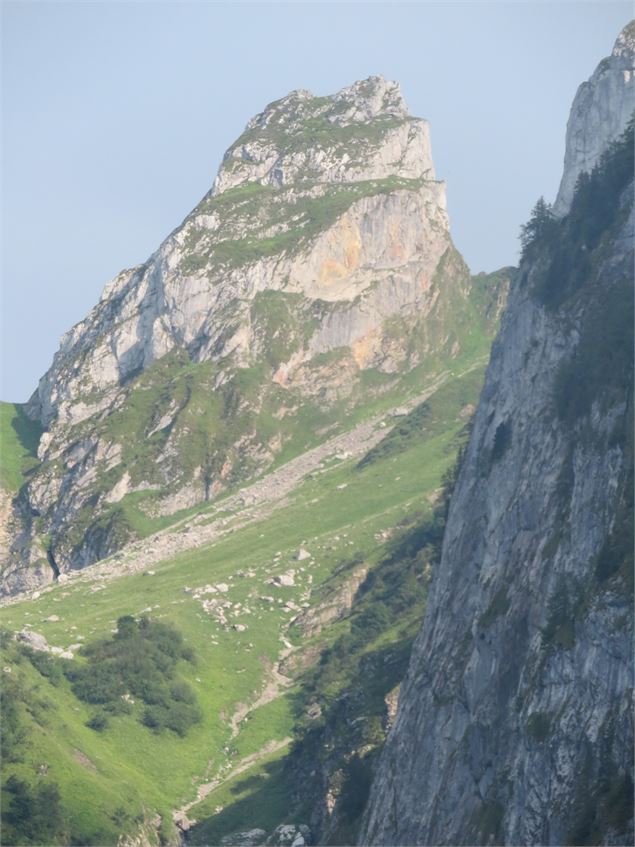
(296, 216)
(539, 726)
(572, 246)
(496, 609)
(19, 438)
(139, 661)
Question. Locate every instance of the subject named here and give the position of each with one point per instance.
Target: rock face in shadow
(515, 718)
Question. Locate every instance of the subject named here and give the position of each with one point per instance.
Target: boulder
(34, 640)
(248, 838)
(287, 579)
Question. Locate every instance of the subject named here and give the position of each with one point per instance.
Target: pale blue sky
(115, 117)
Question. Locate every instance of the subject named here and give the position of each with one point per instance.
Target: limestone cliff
(602, 108)
(309, 201)
(316, 273)
(515, 718)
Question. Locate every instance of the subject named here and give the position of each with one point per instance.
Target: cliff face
(515, 718)
(317, 272)
(602, 108)
(321, 197)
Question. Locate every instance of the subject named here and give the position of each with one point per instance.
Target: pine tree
(539, 225)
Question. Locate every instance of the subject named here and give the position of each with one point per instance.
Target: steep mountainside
(317, 280)
(602, 108)
(515, 718)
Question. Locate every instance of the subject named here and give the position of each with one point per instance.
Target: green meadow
(117, 780)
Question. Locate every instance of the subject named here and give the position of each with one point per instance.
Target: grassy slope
(350, 688)
(141, 771)
(302, 428)
(19, 438)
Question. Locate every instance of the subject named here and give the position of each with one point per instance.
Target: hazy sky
(115, 117)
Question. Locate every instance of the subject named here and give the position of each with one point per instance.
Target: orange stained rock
(348, 244)
(365, 348)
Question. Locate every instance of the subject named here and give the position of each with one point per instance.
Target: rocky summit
(601, 110)
(315, 276)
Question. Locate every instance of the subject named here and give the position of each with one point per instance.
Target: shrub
(44, 664)
(181, 716)
(98, 722)
(118, 707)
(567, 245)
(120, 816)
(498, 606)
(560, 628)
(141, 660)
(183, 693)
(126, 627)
(602, 364)
(97, 682)
(619, 802)
(187, 654)
(539, 726)
(33, 814)
(541, 226)
(601, 811)
(372, 621)
(13, 736)
(356, 787)
(154, 717)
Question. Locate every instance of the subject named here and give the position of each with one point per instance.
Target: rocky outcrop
(316, 273)
(515, 718)
(334, 606)
(601, 110)
(23, 555)
(285, 835)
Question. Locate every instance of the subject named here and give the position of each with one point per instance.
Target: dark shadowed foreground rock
(515, 719)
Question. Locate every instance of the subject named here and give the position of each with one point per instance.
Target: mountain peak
(601, 110)
(362, 101)
(320, 256)
(362, 132)
(625, 41)
(369, 98)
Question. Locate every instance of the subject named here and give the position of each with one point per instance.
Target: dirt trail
(276, 683)
(180, 817)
